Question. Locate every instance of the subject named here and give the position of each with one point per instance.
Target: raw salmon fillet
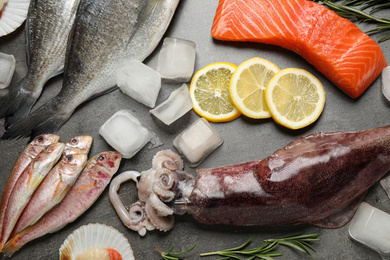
(332, 44)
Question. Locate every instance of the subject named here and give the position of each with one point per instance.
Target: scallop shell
(95, 236)
(14, 14)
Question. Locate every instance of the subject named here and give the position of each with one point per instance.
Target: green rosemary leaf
(172, 256)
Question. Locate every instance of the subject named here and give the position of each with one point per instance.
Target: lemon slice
(209, 92)
(295, 98)
(247, 86)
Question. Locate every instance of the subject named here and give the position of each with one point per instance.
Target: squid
(318, 179)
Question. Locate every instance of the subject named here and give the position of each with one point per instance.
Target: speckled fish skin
(105, 35)
(48, 25)
(318, 179)
(52, 190)
(91, 183)
(27, 183)
(29, 153)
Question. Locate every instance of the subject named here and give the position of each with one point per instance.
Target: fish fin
(45, 120)
(16, 104)
(59, 184)
(12, 246)
(86, 186)
(340, 218)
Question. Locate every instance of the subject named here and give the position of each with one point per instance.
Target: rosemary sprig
(171, 255)
(266, 251)
(348, 9)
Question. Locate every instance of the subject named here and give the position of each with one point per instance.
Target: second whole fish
(25, 186)
(48, 25)
(91, 183)
(35, 147)
(57, 183)
(106, 34)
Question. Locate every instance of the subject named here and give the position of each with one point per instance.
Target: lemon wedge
(295, 98)
(247, 86)
(209, 92)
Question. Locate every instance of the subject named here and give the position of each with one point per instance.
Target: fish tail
(17, 103)
(45, 120)
(11, 246)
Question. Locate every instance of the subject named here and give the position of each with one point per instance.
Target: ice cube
(386, 82)
(125, 133)
(140, 82)
(197, 142)
(7, 69)
(176, 60)
(174, 107)
(371, 227)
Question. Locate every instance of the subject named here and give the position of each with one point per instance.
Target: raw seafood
(38, 145)
(25, 186)
(90, 184)
(99, 237)
(111, 32)
(318, 179)
(52, 190)
(47, 30)
(57, 183)
(334, 45)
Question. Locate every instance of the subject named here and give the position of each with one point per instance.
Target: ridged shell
(14, 14)
(95, 236)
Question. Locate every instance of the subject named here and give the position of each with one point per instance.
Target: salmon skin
(318, 179)
(29, 153)
(91, 183)
(27, 183)
(334, 45)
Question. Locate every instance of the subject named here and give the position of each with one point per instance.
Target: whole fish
(38, 145)
(91, 183)
(27, 183)
(57, 183)
(52, 190)
(105, 35)
(48, 25)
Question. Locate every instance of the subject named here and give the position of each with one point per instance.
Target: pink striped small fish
(27, 183)
(91, 183)
(29, 153)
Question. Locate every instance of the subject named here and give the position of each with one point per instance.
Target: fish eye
(74, 141)
(40, 139)
(101, 158)
(69, 158)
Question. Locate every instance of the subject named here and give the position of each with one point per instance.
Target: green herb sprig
(172, 255)
(348, 9)
(300, 242)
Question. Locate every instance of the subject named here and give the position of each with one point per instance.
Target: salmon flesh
(334, 45)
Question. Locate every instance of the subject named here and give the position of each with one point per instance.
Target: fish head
(104, 165)
(51, 153)
(78, 144)
(45, 140)
(72, 164)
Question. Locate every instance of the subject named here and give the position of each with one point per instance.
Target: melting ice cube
(139, 82)
(176, 60)
(371, 227)
(125, 133)
(197, 142)
(174, 107)
(7, 69)
(386, 82)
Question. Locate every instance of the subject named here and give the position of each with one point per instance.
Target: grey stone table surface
(244, 140)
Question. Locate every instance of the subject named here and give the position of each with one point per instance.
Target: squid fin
(340, 218)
